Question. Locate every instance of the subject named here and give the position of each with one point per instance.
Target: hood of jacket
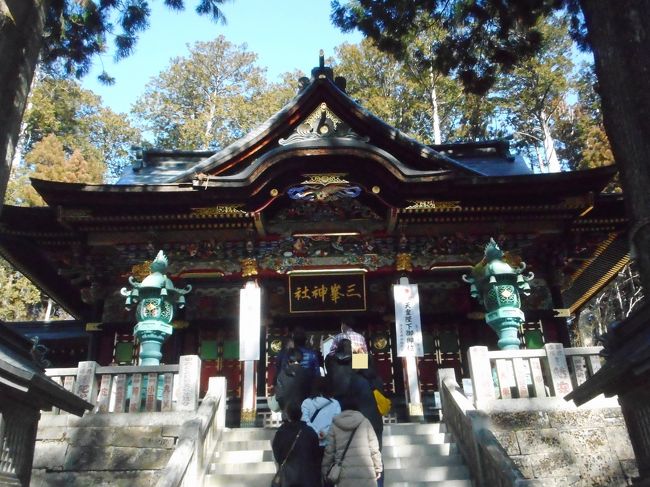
(348, 420)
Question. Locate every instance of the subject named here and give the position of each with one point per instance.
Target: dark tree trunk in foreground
(619, 32)
(21, 28)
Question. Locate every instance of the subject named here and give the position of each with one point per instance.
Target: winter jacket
(310, 361)
(293, 384)
(327, 410)
(302, 468)
(362, 390)
(353, 383)
(362, 462)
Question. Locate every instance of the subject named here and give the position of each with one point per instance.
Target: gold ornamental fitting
(403, 262)
(249, 267)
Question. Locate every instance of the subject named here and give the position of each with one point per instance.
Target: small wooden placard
(359, 360)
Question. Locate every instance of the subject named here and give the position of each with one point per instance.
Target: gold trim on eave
(325, 179)
(220, 210)
(600, 283)
(428, 205)
(599, 250)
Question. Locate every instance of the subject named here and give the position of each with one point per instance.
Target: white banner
(407, 320)
(250, 320)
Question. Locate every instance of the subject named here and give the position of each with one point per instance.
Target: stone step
(238, 434)
(427, 474)
(414, 428)
(245, 445)
(421, 461)
(254, 468)
(431, 439)
(241, 480)
(390, 451)
(435, 483)
(414, 455)
(264, 480)
(264, 453)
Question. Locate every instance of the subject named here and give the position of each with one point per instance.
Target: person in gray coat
(362, 465)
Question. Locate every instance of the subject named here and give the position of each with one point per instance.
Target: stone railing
(133, 389)
(551, 372)
(197, 440)
(485, 457)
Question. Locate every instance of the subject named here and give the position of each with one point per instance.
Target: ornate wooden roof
(324, 171)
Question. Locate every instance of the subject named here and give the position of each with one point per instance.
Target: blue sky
(286, 35)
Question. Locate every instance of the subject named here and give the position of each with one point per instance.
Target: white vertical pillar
(248, 390)
(250, 323)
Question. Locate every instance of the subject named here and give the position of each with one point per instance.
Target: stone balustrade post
(189, 375)
(480, 372)
(86, 383)
(558, 369)
(217, 386)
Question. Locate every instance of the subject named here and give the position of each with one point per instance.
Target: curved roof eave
(298, 109)
(338, 146)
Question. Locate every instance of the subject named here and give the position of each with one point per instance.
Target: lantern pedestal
(506, 323)
(151, 336)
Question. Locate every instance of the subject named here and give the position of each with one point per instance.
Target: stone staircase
(415, 455)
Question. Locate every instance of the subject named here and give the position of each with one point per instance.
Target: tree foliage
(19, 299)
(412, 97)
(482, 38)
(49, 160)
(78, 30)
(533, 92)
(209, 98)
(61, 107)
(581, 128)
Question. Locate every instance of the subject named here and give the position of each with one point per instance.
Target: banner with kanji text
(408, 330)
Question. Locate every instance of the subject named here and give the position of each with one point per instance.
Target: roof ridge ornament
(322, 123)
(322, 72)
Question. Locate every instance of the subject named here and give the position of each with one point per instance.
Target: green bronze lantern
(497, 285)
(156, 299)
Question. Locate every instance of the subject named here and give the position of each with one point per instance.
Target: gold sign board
(327, 292)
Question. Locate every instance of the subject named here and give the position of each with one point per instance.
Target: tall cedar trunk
(435, 114)
(552, 162)
(21, 28)
(619, 32)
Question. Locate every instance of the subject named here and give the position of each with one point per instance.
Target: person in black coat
(302, 466)
(357, 385)
(294, 381)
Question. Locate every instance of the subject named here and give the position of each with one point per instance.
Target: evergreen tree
(207, 99)
(49, 160)
(581, 129)
(533, 92)
(61, 107)
(491, 36)
(19, 299)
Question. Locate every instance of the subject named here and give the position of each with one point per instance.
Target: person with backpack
(294, 382)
